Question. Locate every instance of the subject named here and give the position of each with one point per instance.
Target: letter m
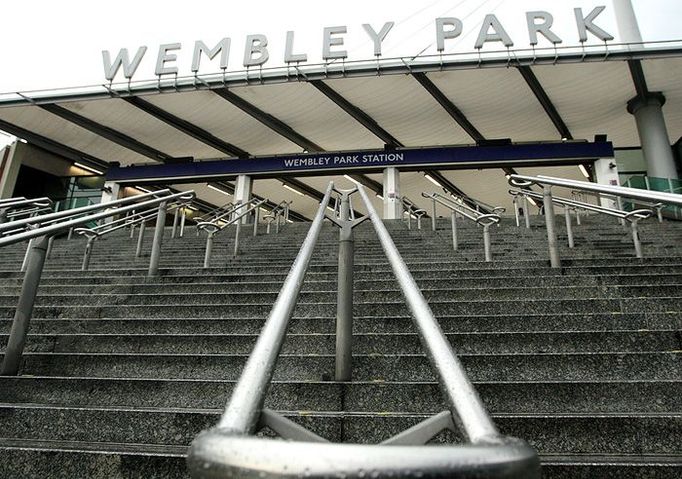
(223, 47)
(122, 59)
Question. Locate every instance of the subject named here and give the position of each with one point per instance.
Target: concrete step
(405, 367)
(376, 343)
(417, 397)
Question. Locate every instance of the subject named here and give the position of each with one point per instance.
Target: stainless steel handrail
(622, 191)
(547, 182)
(37, 253)
(278, 214)
(657, 207)
(20, 206)
(632, 217)
(75, 212)
(131, 220)
(212, 227)
(412, 210)
(484, 220)
(230, 450)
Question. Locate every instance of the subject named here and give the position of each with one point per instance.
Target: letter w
(111, 69)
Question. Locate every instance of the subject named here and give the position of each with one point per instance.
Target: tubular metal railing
(484, 220)
(655, 207)
(278, 215)
(13, 208)
(41, 229)
(219, 223)
(632, 217)
(412, 210)
(547, 182)
(231, 450)
(131, 220)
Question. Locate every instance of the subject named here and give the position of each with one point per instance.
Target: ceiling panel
(498, 102)
(402, 107)
(43, 123)
(130, 120)
(592, 99)
(311, 114)
(209, 111)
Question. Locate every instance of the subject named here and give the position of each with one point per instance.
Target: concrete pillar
(242, 192)
(606, 173)
(10, 163)
(392, 205)
(653, 135)
(110, 192)
(628, 29)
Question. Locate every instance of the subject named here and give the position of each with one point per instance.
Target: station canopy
(461, 99)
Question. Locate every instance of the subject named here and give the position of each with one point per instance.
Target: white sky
(47, 44)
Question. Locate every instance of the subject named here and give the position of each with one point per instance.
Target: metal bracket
(421, 433)
(287, 428)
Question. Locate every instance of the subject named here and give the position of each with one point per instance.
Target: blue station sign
(343, 162)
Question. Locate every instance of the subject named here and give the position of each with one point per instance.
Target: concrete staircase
(122, 371)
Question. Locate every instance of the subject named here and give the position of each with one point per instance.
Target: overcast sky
(47, 44)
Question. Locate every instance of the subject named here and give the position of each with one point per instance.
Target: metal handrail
(131, 220)
(622, 191)
(278, 214)
(548, 182)
(76, 212)
(412, 210)
(37, 253)
(20, 206)
(11, 200)
(484, 220)
(657, 207)
(230, 450)
(212, 227)
(632, 217)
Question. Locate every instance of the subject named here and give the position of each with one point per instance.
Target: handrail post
(158, 240)
(256, 217)
(635, 239)
(27, 254)
(88, 253)
(577, 217)
(209, 249)
(554, 259)
(409, 220)
(433, 218)
(175, 221)
(486, 243)
(140, 239)
(182, 223)
(619, 202)
(236, 237)
(22, 316)
(569, 227)
(515, 202)
(277, 215)
(344, 304)
(526, 212)
(453, 220)
(49, 246)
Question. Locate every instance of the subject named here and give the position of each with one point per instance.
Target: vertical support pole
(182, 222)
(409, 220)
(526, 212)
(391, 193)
(419, 221)
(209, 249)
(577, 216)
(24, 264)
(619, 202)
(22, 316)
(256, 217)
(486, 243)
(132, 226)
(268, 222)
(242, 194)
(157, 241)
(236, 237)
(515, 202)
(70, 235)
(176, 217)
(277, 222)
(344, 304)
(551, 227)
(433, 218)
(453, 220)
(569, 227)
(635, 239)
(659, 214)
(140, 239)
(88, 253)
(49, 246)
